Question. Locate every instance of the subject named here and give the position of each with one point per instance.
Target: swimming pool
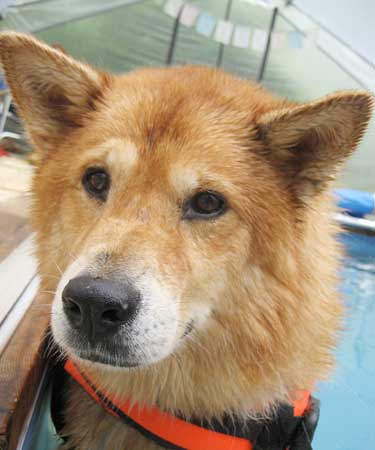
(347, 417)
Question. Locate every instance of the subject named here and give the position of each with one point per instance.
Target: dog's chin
(109, 360)
(105, 361)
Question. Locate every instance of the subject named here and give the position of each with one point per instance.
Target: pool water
(347, 420)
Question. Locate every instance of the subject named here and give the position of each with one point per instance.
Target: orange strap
(165, 428)
(301, 403)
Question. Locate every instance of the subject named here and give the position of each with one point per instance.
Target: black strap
(305, 432)
(302, 442)
(281, 431)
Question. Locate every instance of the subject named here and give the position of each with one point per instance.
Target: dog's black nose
(98, 306)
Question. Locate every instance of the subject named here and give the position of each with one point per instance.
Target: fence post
(267, 48)
(220, 55)
(172, 45)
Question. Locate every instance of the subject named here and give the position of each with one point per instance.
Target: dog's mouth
(111, 354)
(106, 359)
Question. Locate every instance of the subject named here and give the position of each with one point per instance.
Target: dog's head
(162, 195)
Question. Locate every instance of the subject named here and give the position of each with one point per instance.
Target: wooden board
(13, 230)
(16, 272)
(24, 317)
(13, 222)
(15, 180)
(21, 367)
(15, 174)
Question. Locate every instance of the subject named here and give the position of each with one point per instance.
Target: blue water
(347, 419)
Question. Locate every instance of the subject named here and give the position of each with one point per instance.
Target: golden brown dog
(182, 219)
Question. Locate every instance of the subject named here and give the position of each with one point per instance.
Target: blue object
(41, 433)
(295, 39)
(205, 24)
(3, 84)
(348, 398)
(356, 203)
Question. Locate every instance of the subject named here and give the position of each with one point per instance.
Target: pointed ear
(309, 142)
(53, 93)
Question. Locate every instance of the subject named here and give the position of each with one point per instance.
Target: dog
(183, 222)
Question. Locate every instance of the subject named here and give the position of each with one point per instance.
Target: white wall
(352, 20)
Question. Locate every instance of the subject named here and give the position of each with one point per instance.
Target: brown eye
(204, 205)
(96, 181)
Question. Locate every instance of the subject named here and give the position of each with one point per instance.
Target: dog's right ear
(54, 93)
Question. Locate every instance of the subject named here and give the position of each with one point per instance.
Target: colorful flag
(278, 39)
(259, 40)
(189, 15)
(205, 24)
(266, 3)
(295, 39)
(223, 32)
(311, 38)
(241, 36)
(173, 7)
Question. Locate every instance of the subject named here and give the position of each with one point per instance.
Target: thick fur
(260, 281)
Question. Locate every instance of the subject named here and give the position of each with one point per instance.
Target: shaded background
(121, 37)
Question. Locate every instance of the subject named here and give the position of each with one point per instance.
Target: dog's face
(156, 194)
(155, 202)
(152, 219)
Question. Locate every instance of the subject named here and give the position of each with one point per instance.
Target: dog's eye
(204, 205)
(96, 182)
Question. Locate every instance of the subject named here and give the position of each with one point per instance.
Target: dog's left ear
(308, 143)
(53, 92)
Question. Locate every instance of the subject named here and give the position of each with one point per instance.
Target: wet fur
(267, 268)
